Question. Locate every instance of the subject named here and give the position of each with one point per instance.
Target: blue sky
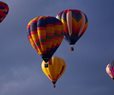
(20, 70)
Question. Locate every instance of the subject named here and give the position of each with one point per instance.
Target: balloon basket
(54, 82)
(71, 49)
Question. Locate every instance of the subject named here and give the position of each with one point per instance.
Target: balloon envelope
(4, 9)
(45, 34)
(110, 69)
(75, 24)
(54, 68)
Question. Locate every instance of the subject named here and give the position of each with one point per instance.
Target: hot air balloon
(45, 34)
(110, 69)
(3, 10)
(75, 24)
(54, 68)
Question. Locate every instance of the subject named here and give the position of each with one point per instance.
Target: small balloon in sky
(4, 9)
(110, 69)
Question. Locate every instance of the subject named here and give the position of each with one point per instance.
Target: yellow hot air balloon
(53, 69)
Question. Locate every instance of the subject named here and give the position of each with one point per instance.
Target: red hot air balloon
(4, 9)
(75, 24)
(45, 35)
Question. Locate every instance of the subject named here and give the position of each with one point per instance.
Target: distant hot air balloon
(54, 68)
(3, 10)
(45, 35)
(75, 24)
(110, 69)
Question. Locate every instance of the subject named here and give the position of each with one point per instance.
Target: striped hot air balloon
(54, 69)
(45, 34)
(4, 9)
(75, 24)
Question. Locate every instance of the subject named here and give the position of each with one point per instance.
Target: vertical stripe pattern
(75, 24)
